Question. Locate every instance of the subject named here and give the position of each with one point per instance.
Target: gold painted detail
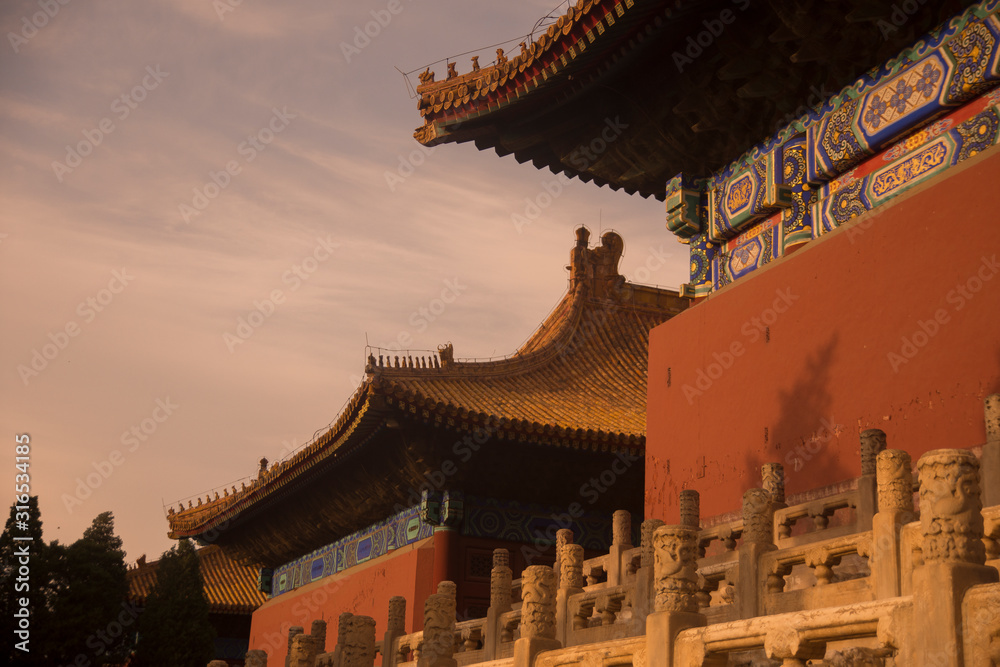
(910, 90)
(739, 194)
(910, 168)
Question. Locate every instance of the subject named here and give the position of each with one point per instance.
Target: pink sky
(140, 308)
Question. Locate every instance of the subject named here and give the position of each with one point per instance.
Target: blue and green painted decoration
(397, 531)
(530, 524)
(919, 114)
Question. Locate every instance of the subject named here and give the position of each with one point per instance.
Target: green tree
(24, 576)
(174, 629)
(90, 606)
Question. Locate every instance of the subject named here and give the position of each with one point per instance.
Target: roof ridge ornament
(447, 354)
(597, 268)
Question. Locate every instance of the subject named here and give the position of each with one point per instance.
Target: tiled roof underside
(677, 98)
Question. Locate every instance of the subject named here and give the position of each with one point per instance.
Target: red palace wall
(364, 589)
(413, 572)
(891, 323)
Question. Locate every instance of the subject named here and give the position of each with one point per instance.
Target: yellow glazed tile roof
(584, 371)
(230, 588)
(483, 90)
(579, 382)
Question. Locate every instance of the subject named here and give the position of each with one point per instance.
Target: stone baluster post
(895, 509)
(676, 569)
(450, 588)
(675, 584)
(872, 442)
(951, 518)
(318, 632)
(302, 653)
(256, 658)
(572, 568)
(690, 505)
(501, 579)
(395, 628)
(758, 539)
(564, 536)
(772, 476)
(758, 513)
(570, 583)
(292, 632)
(343, 626)
(538, 615)
(951, 522)
(990, 461)
(500, 593)
(895, 481)
(649, 526)
(643, 601)
(359, 644)
(621, 541)
(439, 632)
(690, 509)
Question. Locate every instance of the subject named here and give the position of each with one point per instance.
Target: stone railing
(508, 626)
(595, 571)
(717, 576)
(822, 574)
(792, 637)
(602, 614)
(884, 583)
(469, 641)
(727, 534)
(819, 511)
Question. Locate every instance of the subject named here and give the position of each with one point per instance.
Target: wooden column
(445, 554)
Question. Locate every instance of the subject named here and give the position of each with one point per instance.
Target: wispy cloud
(322, 176)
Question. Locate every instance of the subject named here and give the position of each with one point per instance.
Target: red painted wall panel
(364, 589)
(892, 323)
